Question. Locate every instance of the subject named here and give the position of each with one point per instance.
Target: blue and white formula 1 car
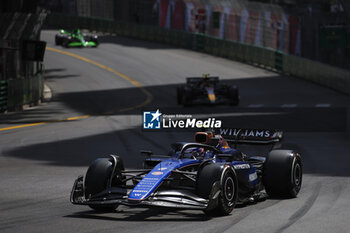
(209, 174)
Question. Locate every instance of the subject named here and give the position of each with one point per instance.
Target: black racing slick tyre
(179, 95)
(233, 95)
(65, 43)
(282, 174)
(97, 43)
(57, 40)
(98, 177)
(186, 96)
(218, 184)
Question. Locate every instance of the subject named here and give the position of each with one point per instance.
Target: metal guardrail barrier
(24, 91)
(323, 74)
(20, 82)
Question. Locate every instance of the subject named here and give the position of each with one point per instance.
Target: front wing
(74, 43)
(182, 199)
(200, 96)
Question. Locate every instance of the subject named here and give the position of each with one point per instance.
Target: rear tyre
(283, 174)
(179, 95)
(233, 95)
(96, 43)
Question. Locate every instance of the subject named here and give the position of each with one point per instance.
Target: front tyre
(218, 184)
(57, 40)
(65, 43)
(98, 178)
(228, 195)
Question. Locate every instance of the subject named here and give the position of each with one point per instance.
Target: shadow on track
(48, 75)
(130, 42)
(148, 214)
(322, 153)
(271, 91)
(304, 123)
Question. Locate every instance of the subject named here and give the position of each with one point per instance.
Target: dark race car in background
(206, 89)
(75, 38)
(205, 175)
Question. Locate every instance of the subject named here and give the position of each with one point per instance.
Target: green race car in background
(75, 38)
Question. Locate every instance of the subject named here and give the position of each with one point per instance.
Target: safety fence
(3, 96)
(21, 81)
(15, 93)
(332, 77)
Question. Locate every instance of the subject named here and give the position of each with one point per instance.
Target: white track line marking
(289, 105)
(323, 105)
(255, 105)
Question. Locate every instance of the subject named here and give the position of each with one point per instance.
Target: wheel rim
(229, 189)
(297, 174)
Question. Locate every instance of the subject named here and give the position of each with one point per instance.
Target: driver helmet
(223, 143)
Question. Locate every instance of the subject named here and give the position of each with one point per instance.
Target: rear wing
(250, 136)
(194, 80)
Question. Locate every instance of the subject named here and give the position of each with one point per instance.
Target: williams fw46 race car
(76, 38)
(210, 174)
(206, 90)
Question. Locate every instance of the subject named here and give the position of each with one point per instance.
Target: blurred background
(318, 30)
(272, 29)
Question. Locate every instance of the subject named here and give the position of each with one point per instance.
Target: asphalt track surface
(95, 112)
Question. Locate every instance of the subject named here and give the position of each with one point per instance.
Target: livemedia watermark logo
(152, 120)
(157, 120)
